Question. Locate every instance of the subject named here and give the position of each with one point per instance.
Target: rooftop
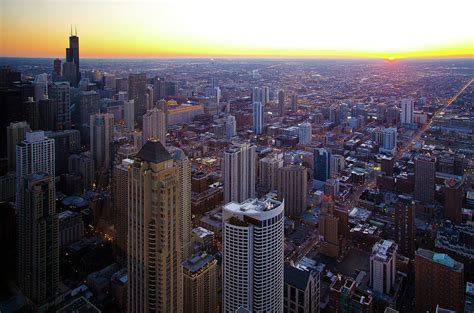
(153, 151)
(197, 262)
(296, 277)
(440, 258)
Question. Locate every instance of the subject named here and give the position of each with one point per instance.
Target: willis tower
(71, 67)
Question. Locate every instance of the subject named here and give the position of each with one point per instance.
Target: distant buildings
(439, 280)
(230, 127)
(408, 108)
(425, 172)
(71, 70)
(239, 173)
(257, 113)
(281, 103)
(59, 92)
(383, 266)
(253, 241)
(137, 92)
(305, 133)
(294, 102)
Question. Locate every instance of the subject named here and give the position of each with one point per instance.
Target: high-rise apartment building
(333, 241)
(305, 133)
(407, 111)
(425, 174)
(281, 103)
(239, 172)
(257, 114)
(453, 200)
(439, 280)
(383, 267)
(200, 284)
(120, 197)
(389, 143)
(16, 133)
(59, 92)
(322, 164)
(101, 135)
(154, 232)
(405, 225)
(129, 114)
(294, 102)
(230, 127)
(336, 165)
(154, 125)
(268, 171)
(253, 259)
(292, 183)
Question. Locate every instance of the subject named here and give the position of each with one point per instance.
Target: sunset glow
(302, 28)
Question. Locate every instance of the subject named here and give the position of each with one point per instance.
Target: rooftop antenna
(75, 26)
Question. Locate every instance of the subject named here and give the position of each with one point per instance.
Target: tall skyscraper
(337, 165)
(257, 94)
(16, 133)
(333, 241)
(383, 267)
(41, 87)
(281, 103)
(322, 164)
(38, 268)
(155, 281)
(405, 225)
(239, 172)
(200, 284)
(48, 114)
(253, 257)
(453, 200)
(120, 196)
(71, 68)
(89, 103)
(59, 92)
(183, 171)
(439, 280)
(305, 133)
(268, 171)
(407, 111)
(293, 188)
(294, 102)
(137, 90)
(129, 114)
(389, 143)
(101, 135)
(257, 113)
(154, 125)
(230, 127)
(425, 174)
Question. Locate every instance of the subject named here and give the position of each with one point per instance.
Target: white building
(154, 125)
(383, 266)
(230, 127)
(253, 274)
(305, 133)
(389, 143)
(239, 172)
(101, 135)
(408, 107)
(257, 111)
(337, 165)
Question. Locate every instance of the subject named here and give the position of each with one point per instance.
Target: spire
(71, 29)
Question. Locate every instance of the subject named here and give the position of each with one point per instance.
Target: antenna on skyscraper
(71, 29)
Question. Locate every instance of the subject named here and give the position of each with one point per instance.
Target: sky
(239, 28)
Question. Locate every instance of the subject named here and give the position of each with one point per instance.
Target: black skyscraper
(71, 67)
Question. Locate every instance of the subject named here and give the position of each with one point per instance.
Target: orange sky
(300, 28)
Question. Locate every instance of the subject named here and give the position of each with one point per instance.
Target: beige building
(267, 171)
(200, 284)
(293, 188)
(330, 229)
(154, 232)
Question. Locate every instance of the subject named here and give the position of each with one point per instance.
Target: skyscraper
(389, 143)
(71, 68)
(305, 133)
(294, 102)
(129, 114)
(268, 171)
(407, 112)
(239, 172)
(405, 225)
(120, 196)
(253, 256)
(333, 241)
(200, 284)
(57, 72)
(230, 127)
(337, 165)
(48, 114)
(439, 280)
(453, 200)
(137, 90)
(293, 188)
(59, 92)
(257, 113)
(41, 87)
(383, 268)
(154, 232)
(154, 125)
(16, 133)
(322, 164)
(425, 174)
(101, 135)
(281, 103)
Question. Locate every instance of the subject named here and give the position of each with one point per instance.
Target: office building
(59, 92)
(407, 111)
(383, 267)
(137, 91)
(257, 114)
(294, 103)
(230, 127)
(425, 174)
(439, 280)
(268, 171)
(253, 239)
(239, 172)
(336, 165)
(301, 290)
(200, 284)
(88, 105)
(120, 184)
(71, 70)
(305, 133)
(453, 200)
(405, 229)
(48, 114)
(389, 142)
(154, 125)
(154, 232)
(333, 241)
(16, 133)
(322, 164)
(101, 135)
(40, 87)
(129, 114)
(281, 103)
(292, 184)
